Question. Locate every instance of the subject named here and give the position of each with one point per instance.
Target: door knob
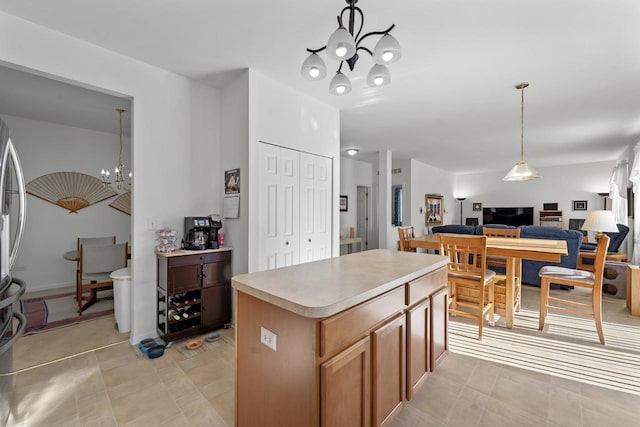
(309, 240)
(286, 243)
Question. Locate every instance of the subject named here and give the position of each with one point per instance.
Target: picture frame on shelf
(477, 207)
(579, 205)
(435, 209)
(344, 203)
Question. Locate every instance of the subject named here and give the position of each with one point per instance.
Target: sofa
(530, 268)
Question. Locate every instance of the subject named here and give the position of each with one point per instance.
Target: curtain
(634, 177)
(618, 193)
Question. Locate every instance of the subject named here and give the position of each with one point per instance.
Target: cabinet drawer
(178, 261)
(339, 331)
(426, 285)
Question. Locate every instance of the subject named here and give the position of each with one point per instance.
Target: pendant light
(346, 45)
(119, 169)
(521, 171)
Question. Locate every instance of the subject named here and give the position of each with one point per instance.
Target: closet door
(279, 204)
(315, 207)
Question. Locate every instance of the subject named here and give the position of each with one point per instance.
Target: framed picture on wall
(477, 207)
(579, 205)
(435, 209)
(344, 203)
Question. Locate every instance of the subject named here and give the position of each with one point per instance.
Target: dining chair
(88, 241)
(469, 277)
(578, 278)
(97, 262)
(499, 263)
(406, 233)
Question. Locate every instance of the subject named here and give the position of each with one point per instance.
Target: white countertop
(323, 288)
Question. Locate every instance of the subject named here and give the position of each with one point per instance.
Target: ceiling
(451, 102)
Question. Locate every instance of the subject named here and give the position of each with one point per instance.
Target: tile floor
(116, 386)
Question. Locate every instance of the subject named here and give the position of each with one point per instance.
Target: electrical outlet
(268, 338)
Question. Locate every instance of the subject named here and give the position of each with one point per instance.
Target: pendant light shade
(522, 171)
(387, 50)
(341, 45)
(313, 68)
(379, 75)
(340, 84)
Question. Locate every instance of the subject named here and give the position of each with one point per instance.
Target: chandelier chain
(522, 125)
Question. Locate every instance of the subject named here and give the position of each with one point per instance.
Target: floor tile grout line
(19, 371)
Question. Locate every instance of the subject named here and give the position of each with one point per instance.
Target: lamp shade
(387, 50)
(600, 221)
(341, 45)
(313, 68)
(521, 172)
(378, 76)
(340, 84)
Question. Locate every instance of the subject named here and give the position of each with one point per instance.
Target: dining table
(514, 251)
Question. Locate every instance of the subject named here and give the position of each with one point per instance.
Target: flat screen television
(507, 216)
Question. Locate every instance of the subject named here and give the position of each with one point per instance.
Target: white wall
(353, 173)
(560, 185)
(281, 116)
(427, 179)
(50, 230)
(234, 153)
(166, 119)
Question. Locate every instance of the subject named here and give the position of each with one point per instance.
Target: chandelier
(521, 171)
(344, 45)
(119, 169)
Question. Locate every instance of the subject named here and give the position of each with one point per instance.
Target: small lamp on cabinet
(600, 222)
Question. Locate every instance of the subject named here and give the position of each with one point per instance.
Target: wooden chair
(97, 262)
(406, 233)
(501, 263)
(88, 241)
(579, 278)
(469, 277)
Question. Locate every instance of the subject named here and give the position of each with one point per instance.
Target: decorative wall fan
(122, 203)
(70, 190)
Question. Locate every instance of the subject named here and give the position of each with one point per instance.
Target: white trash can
(122, 298)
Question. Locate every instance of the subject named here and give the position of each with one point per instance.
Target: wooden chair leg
(597, 314)
(544, 301)
(492, 301)
(481, 313)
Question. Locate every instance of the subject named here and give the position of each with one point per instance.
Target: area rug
(568, 347)
(61, 309)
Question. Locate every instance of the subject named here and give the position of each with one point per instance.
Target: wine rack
(193, 292)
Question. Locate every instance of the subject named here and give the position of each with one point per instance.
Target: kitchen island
(339, 342)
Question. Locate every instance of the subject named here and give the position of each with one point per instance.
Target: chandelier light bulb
(341, 45)
(387, 50)
(379, 75)
(314, 68)
(340, 84)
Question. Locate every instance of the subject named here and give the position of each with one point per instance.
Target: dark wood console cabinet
(194, 292)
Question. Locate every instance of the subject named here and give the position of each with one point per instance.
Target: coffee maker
(201, 232)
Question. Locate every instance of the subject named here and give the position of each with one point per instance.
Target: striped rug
(57, 310)
(568, 347)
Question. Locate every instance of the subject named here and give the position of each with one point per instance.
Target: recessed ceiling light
(352, 151)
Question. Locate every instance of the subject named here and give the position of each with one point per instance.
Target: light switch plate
(268, 338)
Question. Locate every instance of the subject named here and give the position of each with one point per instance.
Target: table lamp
(600, 222)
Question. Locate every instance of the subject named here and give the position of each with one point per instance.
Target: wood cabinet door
(418, 346)
(183, 278)
(389, 343)
(216, 304)
(345, 390)
(213, 273)
(439, 325)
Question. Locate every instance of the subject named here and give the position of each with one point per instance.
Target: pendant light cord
(521, 126)
(120, 156)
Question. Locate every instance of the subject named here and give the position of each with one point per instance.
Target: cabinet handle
(203, 275)
(309, 240)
